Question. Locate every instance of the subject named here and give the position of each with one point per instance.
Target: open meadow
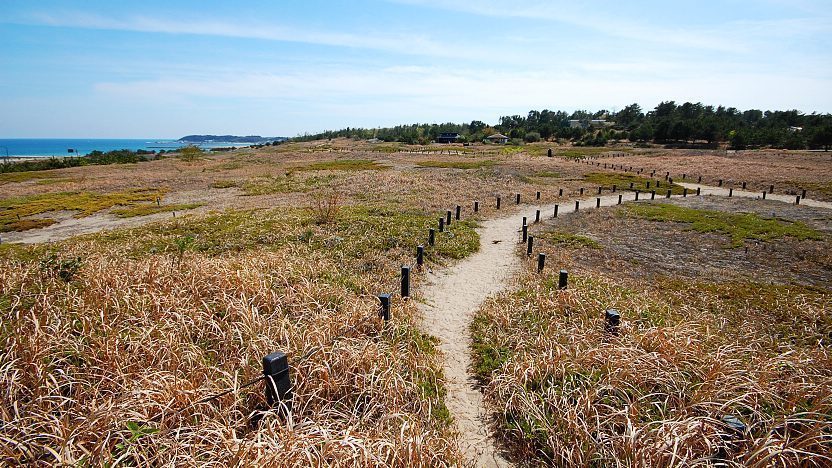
(137, 302)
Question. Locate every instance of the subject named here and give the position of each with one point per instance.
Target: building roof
(497, 136)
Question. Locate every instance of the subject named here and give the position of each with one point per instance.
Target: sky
(164, 69)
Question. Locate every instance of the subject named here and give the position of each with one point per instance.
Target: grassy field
(115, 329)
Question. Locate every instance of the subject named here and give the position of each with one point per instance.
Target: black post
(699, 181)
(524, 221)
(599, 190)
(771, 189)
(448, 217)
(525, 230)
(719, 184)
(538, 195)
(431, 236)
(631, 185)
(598, 202)
(582, 190)
(563, 279)
(405, 281)
(685, 193)
(458, 212)
(549, 153)
(614, 188)
(498, 202)
(537, 216)
(517, 199)
(803, 195)
(384, 311)
(619, 199)
(530, 246)
(653, 195)
(577, 205)
(476, 207)
(541, 262)
(441, 224)
(637, 193)
(731, 192)
(420, 255)
(278, 384)
(556, 212)
(764, 194)
(648, 184)
(668, 193)
(560, 192)
(797, 200)
(698, 191)
(612, 319)
(743, 185)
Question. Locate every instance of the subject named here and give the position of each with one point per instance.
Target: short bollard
(730, 192)
(668, 193)
(764, 194)
(619, 199)
(684, 176)
(658, 183)
(405, 281)
(537, 195)
(448, 218)
(560, 192)
(803, 194)
(614, 188)
(556, 212)
(420, 255)
(612, 320)
(685, 193)
(476, 207)
(530, 246)
(441, 224)
(158, 201)
(743, 185)
(631, 185)
(541, 262)
(524, 221)
(653, 195)
(537, 216)
(637, 193)
(384, 310)
(563, 279)
(797, 200)
(577, 205)
(598, 202)
(719, 184)
(525, 230)
(582, 190)
(666, 175)
(278, 384)
(698, 191)
(458, 212)
(771, 189)
(431, 236)
(648, 184)
(498, 202)
(599, 190)
(699, 181)
(549, 152)
(517, 199)
(670, 180)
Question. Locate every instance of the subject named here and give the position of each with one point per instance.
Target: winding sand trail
(453, 296)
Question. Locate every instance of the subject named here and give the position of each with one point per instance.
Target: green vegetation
(342, 165)
(580, 152)
(739, 226)
(149, 209)
(96, 157)
(190, 153)
(224, 184)
(623, 181)
(17, 177)
(284, 184)
(458, 164)
(565, 239)
(13, 211)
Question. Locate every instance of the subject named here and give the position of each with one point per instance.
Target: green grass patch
(27, 224)
(488, 355)
(84, 203)
(581, 152)
(224, 184)
(284, 184)
(55, 181)
(565, 239)
(623, 181)
(343, 165)
(17, 177)
(739, 226)
(457, 164)
(149, 209)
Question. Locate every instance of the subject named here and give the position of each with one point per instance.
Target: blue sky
(107, 69)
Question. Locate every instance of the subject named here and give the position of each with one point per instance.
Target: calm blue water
(58, 147)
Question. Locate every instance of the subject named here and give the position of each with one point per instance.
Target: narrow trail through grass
(453, 296)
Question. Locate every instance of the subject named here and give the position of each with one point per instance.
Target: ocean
(48, 147)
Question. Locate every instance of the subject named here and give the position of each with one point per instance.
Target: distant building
(795, 129)
(497, 138)
(448, 138)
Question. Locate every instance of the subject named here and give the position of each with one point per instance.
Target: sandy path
(453, 296)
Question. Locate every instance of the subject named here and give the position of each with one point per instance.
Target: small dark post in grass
(797, 200)
(598, 202)
(652, 194)
(441, 224)
(599, 190)
(530, 246)
(668, 193)
(537, 216)
(743, 185)
(582, 190)
(684, 176)
(685, 193)
(278, 384)
(730, 192)
(637, 193)
(563, 279)
(498, 202)
(614, 188)
(612, 320)
(517, 199)
(666, 176)
(699, 181)
(771, 189)
(420, 255)
(541, 262)
(384, 311)
(556, 212)
(431, 236)
(405, 281)
(719, 184)
(619, 199)
(698, 191)
(537, 195)
(549, 152)
(524, 221)
(671, 180)
(560, 192)
(458, 212)
(577, 205)
(658, 183)
(631, 185)
(648, 184)
(448, 217)
(605, 165)
(525, 230)
(803, 194)
(476, 207)
(158, 201)
(764, 194)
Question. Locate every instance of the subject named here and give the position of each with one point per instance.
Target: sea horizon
(59, 147)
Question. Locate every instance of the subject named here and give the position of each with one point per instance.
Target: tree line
(688, 124)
